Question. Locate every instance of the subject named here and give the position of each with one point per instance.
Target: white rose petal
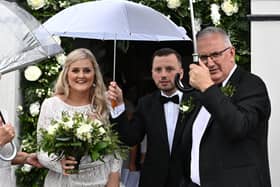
(173, 4)
(36, 4)
(34, 108)
(215, 15)
(229, 8)
(32, 73)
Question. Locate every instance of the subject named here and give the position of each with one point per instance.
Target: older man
(230, 123)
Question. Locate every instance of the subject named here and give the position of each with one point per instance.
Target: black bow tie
(174, 99)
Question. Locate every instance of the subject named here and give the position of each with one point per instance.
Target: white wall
(265, 61)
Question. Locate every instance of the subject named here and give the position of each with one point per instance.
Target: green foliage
(236, 24)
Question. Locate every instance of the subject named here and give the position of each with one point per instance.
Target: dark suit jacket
(160, 168)
(233, 149)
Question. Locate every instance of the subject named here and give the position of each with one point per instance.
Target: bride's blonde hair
(98, 90)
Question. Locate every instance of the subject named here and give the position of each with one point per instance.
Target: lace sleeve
(44, 122)
(116, 164)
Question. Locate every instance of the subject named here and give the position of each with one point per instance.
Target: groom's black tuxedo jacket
(161, 168)
(233, 149)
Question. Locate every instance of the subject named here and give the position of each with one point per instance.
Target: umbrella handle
(179, 85)
(13, 155)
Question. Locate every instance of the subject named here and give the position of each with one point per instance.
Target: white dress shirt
(171, 113)
(198, 130)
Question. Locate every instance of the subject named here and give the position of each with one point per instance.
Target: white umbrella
(23, 40)
(114, 20)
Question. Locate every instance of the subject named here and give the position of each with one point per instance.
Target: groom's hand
(115, 93)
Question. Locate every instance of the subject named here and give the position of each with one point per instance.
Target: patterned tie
(174, 99)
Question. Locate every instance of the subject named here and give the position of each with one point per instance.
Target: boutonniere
(186, 106)
(228, 90)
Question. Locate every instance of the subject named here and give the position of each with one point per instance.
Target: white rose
(52, 129)
(215, 15)
(197, 24)
(26, 168)
(229, 8)
(184, 108)
(173, 4)
(84, 132)
(60, 58)
(36, 4)
(19, 108)
(32, 73)
(68, 125)
(34, 108)
(101, 130)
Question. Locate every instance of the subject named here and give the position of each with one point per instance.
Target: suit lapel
(180, 125)
(234, 79)
(159, 118)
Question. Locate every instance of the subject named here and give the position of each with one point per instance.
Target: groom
(157, 116)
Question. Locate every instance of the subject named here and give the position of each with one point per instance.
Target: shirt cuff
(117, 111)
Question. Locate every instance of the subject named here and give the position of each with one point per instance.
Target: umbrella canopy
(114, 20)
(23, 40)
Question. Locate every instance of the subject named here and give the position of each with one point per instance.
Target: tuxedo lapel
(179, 126)
(159, 119)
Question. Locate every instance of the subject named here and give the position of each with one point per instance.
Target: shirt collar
(229, 75)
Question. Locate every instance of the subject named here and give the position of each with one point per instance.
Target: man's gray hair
(212, 30)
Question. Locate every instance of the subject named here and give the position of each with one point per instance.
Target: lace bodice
(91, 173)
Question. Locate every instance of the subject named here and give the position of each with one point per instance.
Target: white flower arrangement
(229, 8)
(37, 4)
(77, 135)
(32, 73)
(173, 4)
(215, 15)
(34, 108)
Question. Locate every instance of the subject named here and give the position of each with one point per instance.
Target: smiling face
(164, 70)
(80, 76)
(220, 65)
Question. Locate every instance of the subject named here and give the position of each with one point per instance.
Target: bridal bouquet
(77, 135)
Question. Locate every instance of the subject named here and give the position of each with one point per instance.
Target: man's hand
(33, 160)
(200, 76)
(115, 93)
(7, 133)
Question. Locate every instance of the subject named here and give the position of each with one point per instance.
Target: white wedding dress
(91, 174)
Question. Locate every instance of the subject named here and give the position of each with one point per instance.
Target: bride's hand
(113, 180)
(68, 163)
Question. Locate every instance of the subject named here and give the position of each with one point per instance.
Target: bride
(79, 88)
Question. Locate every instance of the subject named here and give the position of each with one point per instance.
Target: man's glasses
(213, 56)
